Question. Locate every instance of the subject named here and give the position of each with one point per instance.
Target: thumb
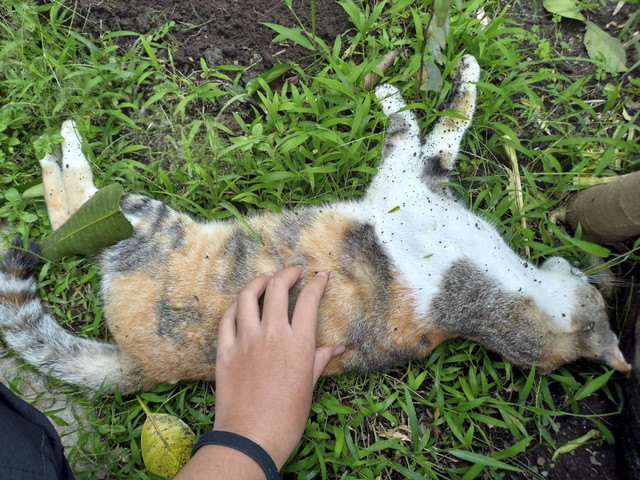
(323, 355)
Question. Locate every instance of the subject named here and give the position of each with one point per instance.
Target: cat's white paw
(467, 69)
(72, 155)
(66, 176)
(390, 98)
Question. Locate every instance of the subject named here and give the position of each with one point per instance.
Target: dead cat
(409, 267)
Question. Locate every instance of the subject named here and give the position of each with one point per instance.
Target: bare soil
(227, 32)
(223, 32)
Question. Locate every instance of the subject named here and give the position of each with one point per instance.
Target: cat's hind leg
(441, 146)
(67, 177)
(402, 143)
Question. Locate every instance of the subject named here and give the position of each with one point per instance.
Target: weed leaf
(268, 76)
(593, 385)
(293, 34)
(573, 444)
(96, 225)
(564, 8)
(236, 213)
(483, 460)
(166, 443)
(592, 248)
(602, 47)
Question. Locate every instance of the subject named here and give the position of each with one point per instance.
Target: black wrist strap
(242, 444)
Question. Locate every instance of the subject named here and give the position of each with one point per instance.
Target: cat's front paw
(390, 98)
(67, 177)
(467, 69)
(72, 146)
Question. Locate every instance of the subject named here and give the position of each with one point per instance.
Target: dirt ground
(231, 32)
(223, 32)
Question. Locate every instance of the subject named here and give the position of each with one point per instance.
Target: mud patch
(223, 32)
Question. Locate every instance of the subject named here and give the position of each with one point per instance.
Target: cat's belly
(166, 316)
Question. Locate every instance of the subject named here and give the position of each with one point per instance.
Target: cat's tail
(41, 341)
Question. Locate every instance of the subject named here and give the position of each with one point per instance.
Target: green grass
(218, 149)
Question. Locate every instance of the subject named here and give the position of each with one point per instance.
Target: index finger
(305, 313)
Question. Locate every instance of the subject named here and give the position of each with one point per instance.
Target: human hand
(266, 367)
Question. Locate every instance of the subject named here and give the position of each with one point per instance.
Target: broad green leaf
(573, 444)
(150, 51)
(564, 8)
(33, 192)
(437, 37)
(433, 78)
(166, 443)
(607, 435)
(602, 47)
(96, 225)
(441, 10)
(482, 460)
(293, 141)
(333, 404)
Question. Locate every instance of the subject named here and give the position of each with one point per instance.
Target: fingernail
(340, 350)
(321, 274)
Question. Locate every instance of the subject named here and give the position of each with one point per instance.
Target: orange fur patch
(407, 331)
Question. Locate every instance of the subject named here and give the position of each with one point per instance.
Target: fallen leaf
(397, 433)
(166, 443)
(602, 47)
(373, 78)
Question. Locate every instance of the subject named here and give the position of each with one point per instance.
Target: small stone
(229, 51)
(540, 461)
(595, 462)
(213, 56)
(544, 473)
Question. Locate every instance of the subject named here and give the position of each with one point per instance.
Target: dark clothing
(30, 447)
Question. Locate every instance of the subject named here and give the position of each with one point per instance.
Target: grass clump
(213, 147)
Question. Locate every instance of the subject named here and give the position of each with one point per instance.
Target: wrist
(218, 461)
(274, 445)
(241, 444)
